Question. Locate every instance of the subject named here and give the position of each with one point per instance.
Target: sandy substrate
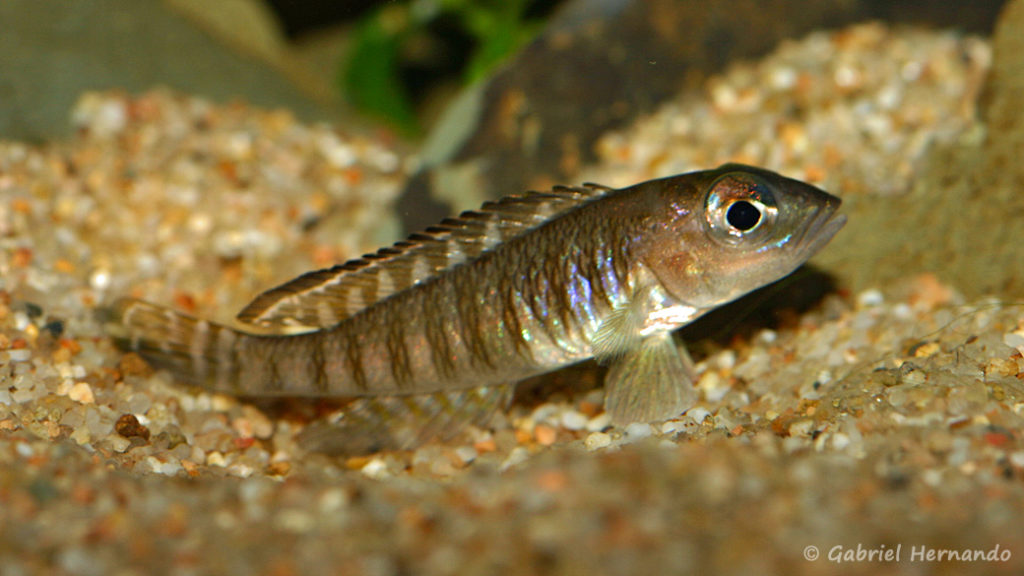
(873, 433)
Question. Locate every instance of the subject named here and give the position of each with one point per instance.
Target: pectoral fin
(618, 334)
(654, 381)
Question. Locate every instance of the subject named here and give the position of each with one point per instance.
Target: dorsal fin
(323, 298)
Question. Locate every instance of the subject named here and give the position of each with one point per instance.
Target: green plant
(372, 76)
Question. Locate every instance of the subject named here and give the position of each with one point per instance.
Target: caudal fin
(194, 351)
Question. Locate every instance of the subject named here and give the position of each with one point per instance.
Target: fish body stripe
(436, 330)
(354, 361)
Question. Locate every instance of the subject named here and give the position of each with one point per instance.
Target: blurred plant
(396, 46)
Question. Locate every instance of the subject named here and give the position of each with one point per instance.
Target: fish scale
(434, 331)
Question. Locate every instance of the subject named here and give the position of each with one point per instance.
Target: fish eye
(740, 208)
(743, 215)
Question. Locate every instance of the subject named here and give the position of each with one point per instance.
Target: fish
(433, 333)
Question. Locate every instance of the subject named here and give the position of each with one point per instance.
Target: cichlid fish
(434, 332)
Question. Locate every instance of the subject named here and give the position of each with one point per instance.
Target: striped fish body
(435, 330)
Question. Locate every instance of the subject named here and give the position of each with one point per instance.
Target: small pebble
(24, 449)
(545, 435)
(870, 298)
(698, 414)
(638, 430)
(376, 468)
(599, 422)
(19, 355)
(573, 420)
(1015, 339)
(466, 454)
(932, 477)
(517, 456)
(168, 468)
(81, 392)
(333, 500)
(99, 279)
(119, 443)
(672, 426)
(713, 386)
(1017, 459)
(840, 441)
(1001, 367)
(597, 440)
(801, 428)
(295, 521)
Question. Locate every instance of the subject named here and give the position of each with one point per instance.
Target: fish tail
(205, 354)
(372, 424)
(194, 351)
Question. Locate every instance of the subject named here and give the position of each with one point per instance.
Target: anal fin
(374, 424)
(653, 381)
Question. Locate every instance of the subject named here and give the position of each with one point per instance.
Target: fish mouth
(825, 224)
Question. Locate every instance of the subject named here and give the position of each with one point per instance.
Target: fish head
(735, 229)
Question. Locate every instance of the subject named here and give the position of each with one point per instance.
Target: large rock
(964, 220)
(602, 63)
(51, 51)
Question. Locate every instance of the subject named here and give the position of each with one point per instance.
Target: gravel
(886, 418)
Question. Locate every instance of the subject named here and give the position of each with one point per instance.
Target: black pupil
(743, 215)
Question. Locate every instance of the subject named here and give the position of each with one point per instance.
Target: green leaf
(370, 79)
(500, 30)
